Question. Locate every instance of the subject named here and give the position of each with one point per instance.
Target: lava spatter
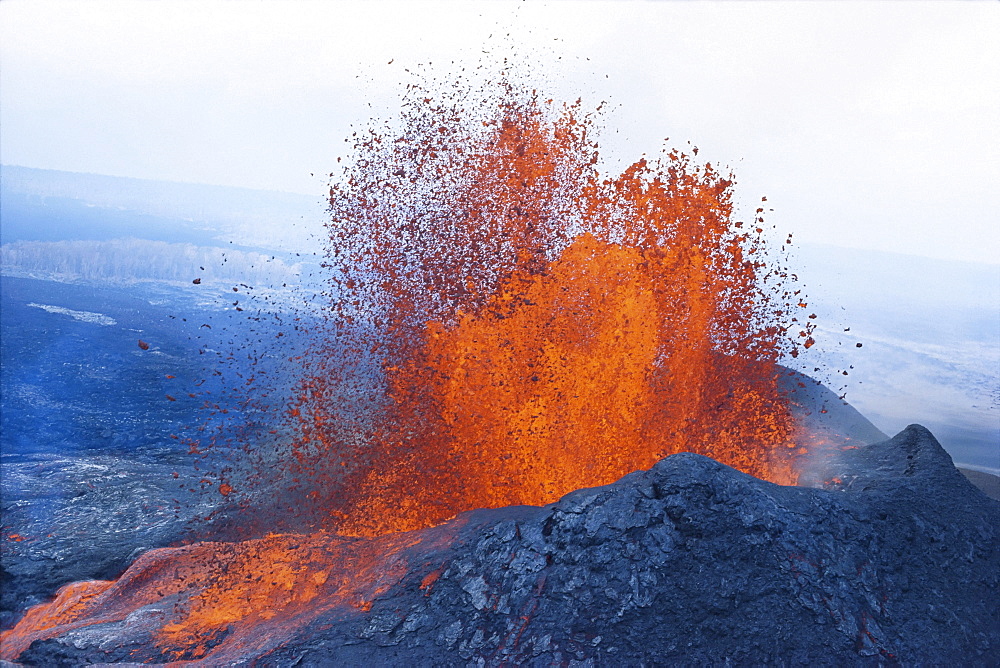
(535, 326)
(505, 324)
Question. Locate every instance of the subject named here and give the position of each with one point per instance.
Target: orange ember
(539, 326)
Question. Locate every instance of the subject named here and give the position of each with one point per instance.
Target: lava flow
(506, 324)
(537, 326)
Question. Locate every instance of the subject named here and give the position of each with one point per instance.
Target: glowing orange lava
(229, 601)
(541, 327)
(532, 325)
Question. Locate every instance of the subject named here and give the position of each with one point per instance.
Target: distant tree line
(142, 259)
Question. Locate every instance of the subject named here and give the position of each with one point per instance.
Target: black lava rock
(895, 561)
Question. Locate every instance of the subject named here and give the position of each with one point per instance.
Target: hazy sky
(873, 125)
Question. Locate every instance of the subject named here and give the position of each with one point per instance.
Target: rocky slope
(896, 560)
(88, 515)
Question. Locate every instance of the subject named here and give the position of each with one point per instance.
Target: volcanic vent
(537, 326)
(506, 325)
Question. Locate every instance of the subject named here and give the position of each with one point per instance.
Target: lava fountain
(538, 326)
(506, 324)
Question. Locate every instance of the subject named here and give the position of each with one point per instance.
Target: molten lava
(539, 327)
(230, 600)
(507, 324)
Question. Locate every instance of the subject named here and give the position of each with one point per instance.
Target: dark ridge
(896, 562)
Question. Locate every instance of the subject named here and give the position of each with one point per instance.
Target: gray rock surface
(895, 560)
(80, 517)
(89, 515)
(989, 483)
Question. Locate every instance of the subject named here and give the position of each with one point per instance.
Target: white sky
(872, 125)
